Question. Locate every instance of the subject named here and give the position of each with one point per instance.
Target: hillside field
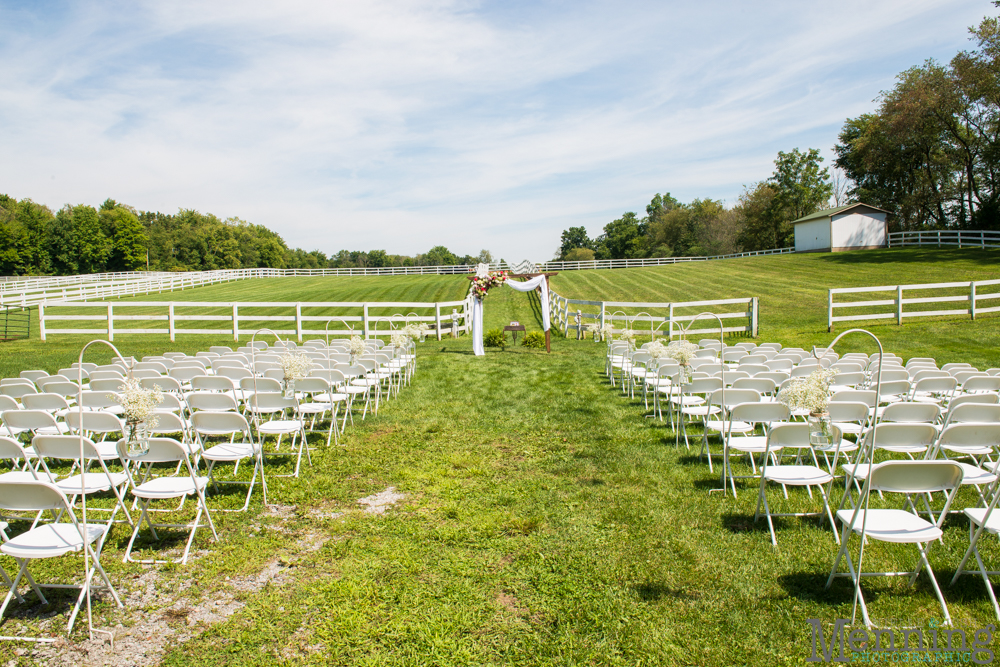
(545, 519)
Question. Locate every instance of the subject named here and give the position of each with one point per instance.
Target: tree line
(117, 237)
(760, 220)
(929, 155)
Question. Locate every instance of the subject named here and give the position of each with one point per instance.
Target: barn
(851, 227)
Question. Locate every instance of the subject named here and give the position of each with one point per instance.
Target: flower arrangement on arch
(483, 283)
(357, 347)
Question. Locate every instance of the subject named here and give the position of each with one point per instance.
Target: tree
(484, 257)
(127, 235)
(579, 255)
(440, 256)
(623, 238)
(378, 258)
(92, 246)
(762, 222)
(574, 237)
(802, 187)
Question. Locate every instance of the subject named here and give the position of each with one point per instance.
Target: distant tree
(92, 246)
(484, 257)
(763, 224)
(572, 238)
(622, 238)
(579, 255)
(802, 187)
(378, 258)
(440, 256)
(127, 235)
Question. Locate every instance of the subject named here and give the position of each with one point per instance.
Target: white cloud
(409, 124)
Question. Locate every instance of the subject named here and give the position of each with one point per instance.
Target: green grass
(546, 521)
(793, 296)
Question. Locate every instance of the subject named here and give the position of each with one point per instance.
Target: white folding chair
(896, 525)
(232, 424)
(50, 540)
(791, 436)
(268, 411)
(178, 486)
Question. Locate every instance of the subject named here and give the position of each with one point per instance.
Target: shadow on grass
(910, 256)
(810, 586)
(744, 523)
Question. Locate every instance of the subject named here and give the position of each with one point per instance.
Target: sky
(402, 125)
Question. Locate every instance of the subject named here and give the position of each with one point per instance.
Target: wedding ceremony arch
(484, 280)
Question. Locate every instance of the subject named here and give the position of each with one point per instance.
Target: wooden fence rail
(970, 296)
(372, 317)
(663, 324)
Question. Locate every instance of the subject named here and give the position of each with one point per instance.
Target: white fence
(961, 239)
(650, 261)
(244, 318)
(968, 294)
(663, 324)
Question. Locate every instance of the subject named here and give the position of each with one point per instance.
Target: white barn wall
(855, 231)
(813, 235)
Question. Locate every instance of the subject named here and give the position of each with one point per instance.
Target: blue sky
(402, 125)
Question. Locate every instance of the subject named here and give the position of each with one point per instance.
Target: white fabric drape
(520, 286)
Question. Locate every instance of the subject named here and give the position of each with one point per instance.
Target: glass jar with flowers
(295, 365)
(138, 409)
(812, 393)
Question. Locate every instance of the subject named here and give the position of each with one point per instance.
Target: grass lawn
(545, 520)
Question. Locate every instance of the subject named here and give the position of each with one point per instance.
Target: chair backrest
(312, 385)
(754, 358)
(915, 476)
(275, 374)
(167, 422)
(752, 369)
(97, 400)
(65, 447)
(220, 423)
(234, 374)
(957, 365)
(264, 402)
(8, 381)
(706, 385)
(332, 376)
(971, 412)
(925, 413)
(211, 400)
(791, 434)
(964, 376)
(729, 398)
(32, 496)
(866, 396)
(185, 373)
(106, 375)
(222, 349)
(260, 384)
(176, 356)
(48, 402)
(902, 434)
(228, 363)
(114, 385)
(164, 383)
(893, 388)
(151, 366)
(161, 450)
(8, 403)
(212, 383)
(777, 364)
(757, 412)
(763, 385)
(917, 373)
(33, 375)
(17, 390)
(74, 373)
(982, 383)
(971, 435)
(985, 399)
(849, 379)
(12, 450)
(29, 419)
(190, 362)
(847, 411)
(95, 421)
(848, 367)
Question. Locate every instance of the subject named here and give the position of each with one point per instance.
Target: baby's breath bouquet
(812, 393)
(628, 336)
(399, 340)
(416, 330)
(138, 408)
(295, 365)
(593, 328)
(357, 348)
(681, 351)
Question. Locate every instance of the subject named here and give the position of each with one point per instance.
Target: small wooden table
(514, 328)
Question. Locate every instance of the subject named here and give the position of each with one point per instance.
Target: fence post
(364, 320)
(829, 311)
(41, 321)
(899, 304)
(170, 320)
(111, 322)
(754, 317)
(437, 318)
(972, 299)
(298, 320)
(236, 322)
